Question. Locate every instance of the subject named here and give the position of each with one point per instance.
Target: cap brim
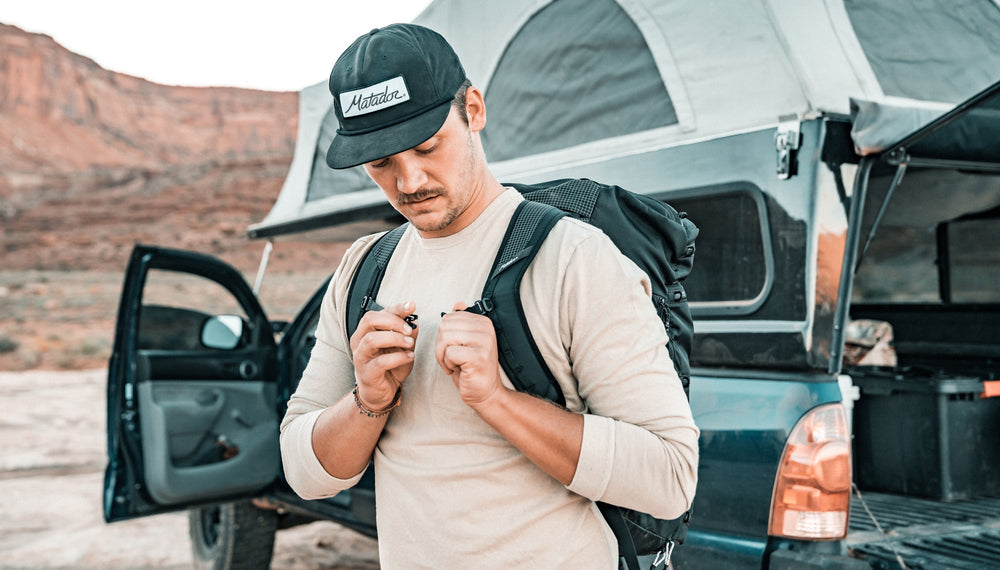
(351, 150)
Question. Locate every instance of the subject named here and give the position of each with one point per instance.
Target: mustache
(417, 196)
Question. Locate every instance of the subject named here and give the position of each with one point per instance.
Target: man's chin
(425, 224)
(430, 221)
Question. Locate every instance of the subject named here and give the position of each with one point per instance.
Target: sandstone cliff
(62, 111)
(92, 161)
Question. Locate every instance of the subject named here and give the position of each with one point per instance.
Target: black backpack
(651, 233)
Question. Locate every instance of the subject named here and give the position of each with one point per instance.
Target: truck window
(937, 242)
(732, 257)
(176, 305)
(899, 267)
(973, 260)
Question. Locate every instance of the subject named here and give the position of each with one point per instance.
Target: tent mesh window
(578, 71)
(324, 181)
(932, 50)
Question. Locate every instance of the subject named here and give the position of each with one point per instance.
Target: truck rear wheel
(232, 535)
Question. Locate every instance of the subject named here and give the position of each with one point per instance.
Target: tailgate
(924, 533)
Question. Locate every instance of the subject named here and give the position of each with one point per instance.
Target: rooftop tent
(571, 82)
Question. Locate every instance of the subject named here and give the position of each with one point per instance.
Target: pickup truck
(851, 423)
(846, 312)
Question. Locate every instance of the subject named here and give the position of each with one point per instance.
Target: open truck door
(192, 389)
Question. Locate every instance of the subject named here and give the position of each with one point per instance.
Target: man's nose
(410, 176)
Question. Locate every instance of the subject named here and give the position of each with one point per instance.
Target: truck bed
(925, 533)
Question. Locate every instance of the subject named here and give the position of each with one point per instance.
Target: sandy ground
(52, 457)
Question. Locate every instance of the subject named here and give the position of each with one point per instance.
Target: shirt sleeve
(640, 442)
(328, 377)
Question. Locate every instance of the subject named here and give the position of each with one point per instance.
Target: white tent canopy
(578, 81)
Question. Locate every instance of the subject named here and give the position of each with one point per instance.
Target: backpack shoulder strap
(619, 525)
(368, 278)
(528, 228)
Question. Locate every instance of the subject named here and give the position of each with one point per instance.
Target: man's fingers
(390, 360)
(454, 357)
(392, 319)
(378, 341)
(451, 334)
(461, 337)
(382, 349)
(402, 310)
(440, 345)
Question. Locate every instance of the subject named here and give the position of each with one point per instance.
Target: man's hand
(549, 436)
(382, 347)
(466, 348)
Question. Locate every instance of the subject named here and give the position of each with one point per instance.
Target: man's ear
(475, 108)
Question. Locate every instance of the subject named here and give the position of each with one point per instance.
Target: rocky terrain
(93, 162)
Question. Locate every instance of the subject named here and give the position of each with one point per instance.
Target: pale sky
(281, 45)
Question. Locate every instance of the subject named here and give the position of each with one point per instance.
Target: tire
(232, 536)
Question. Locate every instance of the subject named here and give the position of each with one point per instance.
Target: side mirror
(222, 332)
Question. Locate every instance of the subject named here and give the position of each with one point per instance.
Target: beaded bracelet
(363, 409)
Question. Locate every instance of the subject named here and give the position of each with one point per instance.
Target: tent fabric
(529, 94)
(554, 72)
(930, 130)
(877, 125)
(325, 181)
(931, 50)
(967, 134)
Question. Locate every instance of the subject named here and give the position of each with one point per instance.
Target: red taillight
(812, 490)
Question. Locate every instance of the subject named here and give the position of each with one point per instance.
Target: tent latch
(787, 140)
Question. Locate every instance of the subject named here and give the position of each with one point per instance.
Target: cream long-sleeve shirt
(451, 492)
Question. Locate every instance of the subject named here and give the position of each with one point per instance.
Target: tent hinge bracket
(897, 156)
(787, 140)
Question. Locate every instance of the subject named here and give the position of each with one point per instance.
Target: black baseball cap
(392, 90)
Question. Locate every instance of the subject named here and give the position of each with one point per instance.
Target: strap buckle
(663, 557)
(481, 307)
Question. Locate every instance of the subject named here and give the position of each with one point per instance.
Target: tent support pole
(263, 266)
(900, 171)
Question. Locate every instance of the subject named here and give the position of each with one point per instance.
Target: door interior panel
(190, 418)
(205, 439)
(192, 415)
(237, 365)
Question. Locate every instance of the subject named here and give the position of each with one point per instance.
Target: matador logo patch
(374, 98)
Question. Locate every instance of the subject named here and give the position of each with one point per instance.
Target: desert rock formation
(92, 161)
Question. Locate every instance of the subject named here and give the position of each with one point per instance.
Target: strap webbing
(518, 354)
(368, 277)
(626, 547)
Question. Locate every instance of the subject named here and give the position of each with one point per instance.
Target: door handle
(248, 369)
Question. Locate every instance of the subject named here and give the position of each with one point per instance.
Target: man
(469, 471)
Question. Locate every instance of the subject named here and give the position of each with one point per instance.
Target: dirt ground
(56, 333)
(52, 458)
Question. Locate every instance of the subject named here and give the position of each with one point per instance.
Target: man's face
(433, 183)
